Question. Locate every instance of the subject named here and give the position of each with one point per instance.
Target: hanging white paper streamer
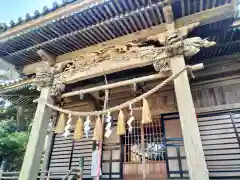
(87, 126)
(81, 96)
(129, 122)
(131, 119)
(68, 126)
(109, 124)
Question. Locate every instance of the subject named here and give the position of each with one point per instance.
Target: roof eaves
(17, 85)
(15, 28)
(45, 10)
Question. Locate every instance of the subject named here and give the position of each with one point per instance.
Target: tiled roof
(14, 86)
(20, 92)
(45, 10)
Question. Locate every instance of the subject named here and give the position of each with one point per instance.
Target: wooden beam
(204, 17)
(33, 154)
(125, 83)
(223, 108)
(236, 7)
(47, 57)
(97, 104)
(47, 153)
(108, 67)
(49, 17)
(236, 24)
(21, 122)
(197, 167)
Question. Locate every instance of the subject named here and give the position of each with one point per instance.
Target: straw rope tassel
(146, 113)
(78, 133)
(61, 124)
(121, 124)
(98, 131)
(121, 106)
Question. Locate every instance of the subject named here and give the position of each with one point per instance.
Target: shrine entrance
(144, 151)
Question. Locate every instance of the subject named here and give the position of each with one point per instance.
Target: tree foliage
(12, 144)
(11, 112)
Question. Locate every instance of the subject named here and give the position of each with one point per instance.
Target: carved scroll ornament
(162, 65)
(158, 56)
(57, 89)
(82, 64)
(45, 78)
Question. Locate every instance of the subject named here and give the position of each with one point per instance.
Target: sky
(12, 9)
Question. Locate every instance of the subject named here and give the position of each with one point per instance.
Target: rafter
(204, 17)
(51, 16)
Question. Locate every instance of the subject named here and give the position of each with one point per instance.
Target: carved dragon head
(193, 45)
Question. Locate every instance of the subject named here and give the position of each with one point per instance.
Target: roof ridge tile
(45, 10)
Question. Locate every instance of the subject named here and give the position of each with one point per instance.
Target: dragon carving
(193, 45)
(175, 45)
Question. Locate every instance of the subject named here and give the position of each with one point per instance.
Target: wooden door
(175, 152)
(153, 151)
(111, 158)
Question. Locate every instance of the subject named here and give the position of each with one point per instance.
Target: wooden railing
(47, 175)
(9, 175)
(76, 173)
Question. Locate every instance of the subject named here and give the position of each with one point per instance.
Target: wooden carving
(162, 65)
(131, 54)
(44, 77)
(175, 44)
(57, 89)
(47, 57)
(118, 54)
(192, 45)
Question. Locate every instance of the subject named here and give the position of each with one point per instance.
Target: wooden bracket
(46, 56)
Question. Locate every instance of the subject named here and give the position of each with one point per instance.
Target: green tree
(12, 141)
(12, 144)
(11, 112)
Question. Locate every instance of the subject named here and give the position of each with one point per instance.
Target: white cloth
(87, 126)
(94, 165)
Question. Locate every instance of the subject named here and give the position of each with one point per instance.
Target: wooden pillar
(33, 154)
(192, 142)
(21, 124)
(47, 153)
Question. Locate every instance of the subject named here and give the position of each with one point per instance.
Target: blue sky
(12, 9)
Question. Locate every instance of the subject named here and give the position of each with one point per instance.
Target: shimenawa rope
(121, 106)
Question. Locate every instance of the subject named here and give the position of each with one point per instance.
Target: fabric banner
(94, 164)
